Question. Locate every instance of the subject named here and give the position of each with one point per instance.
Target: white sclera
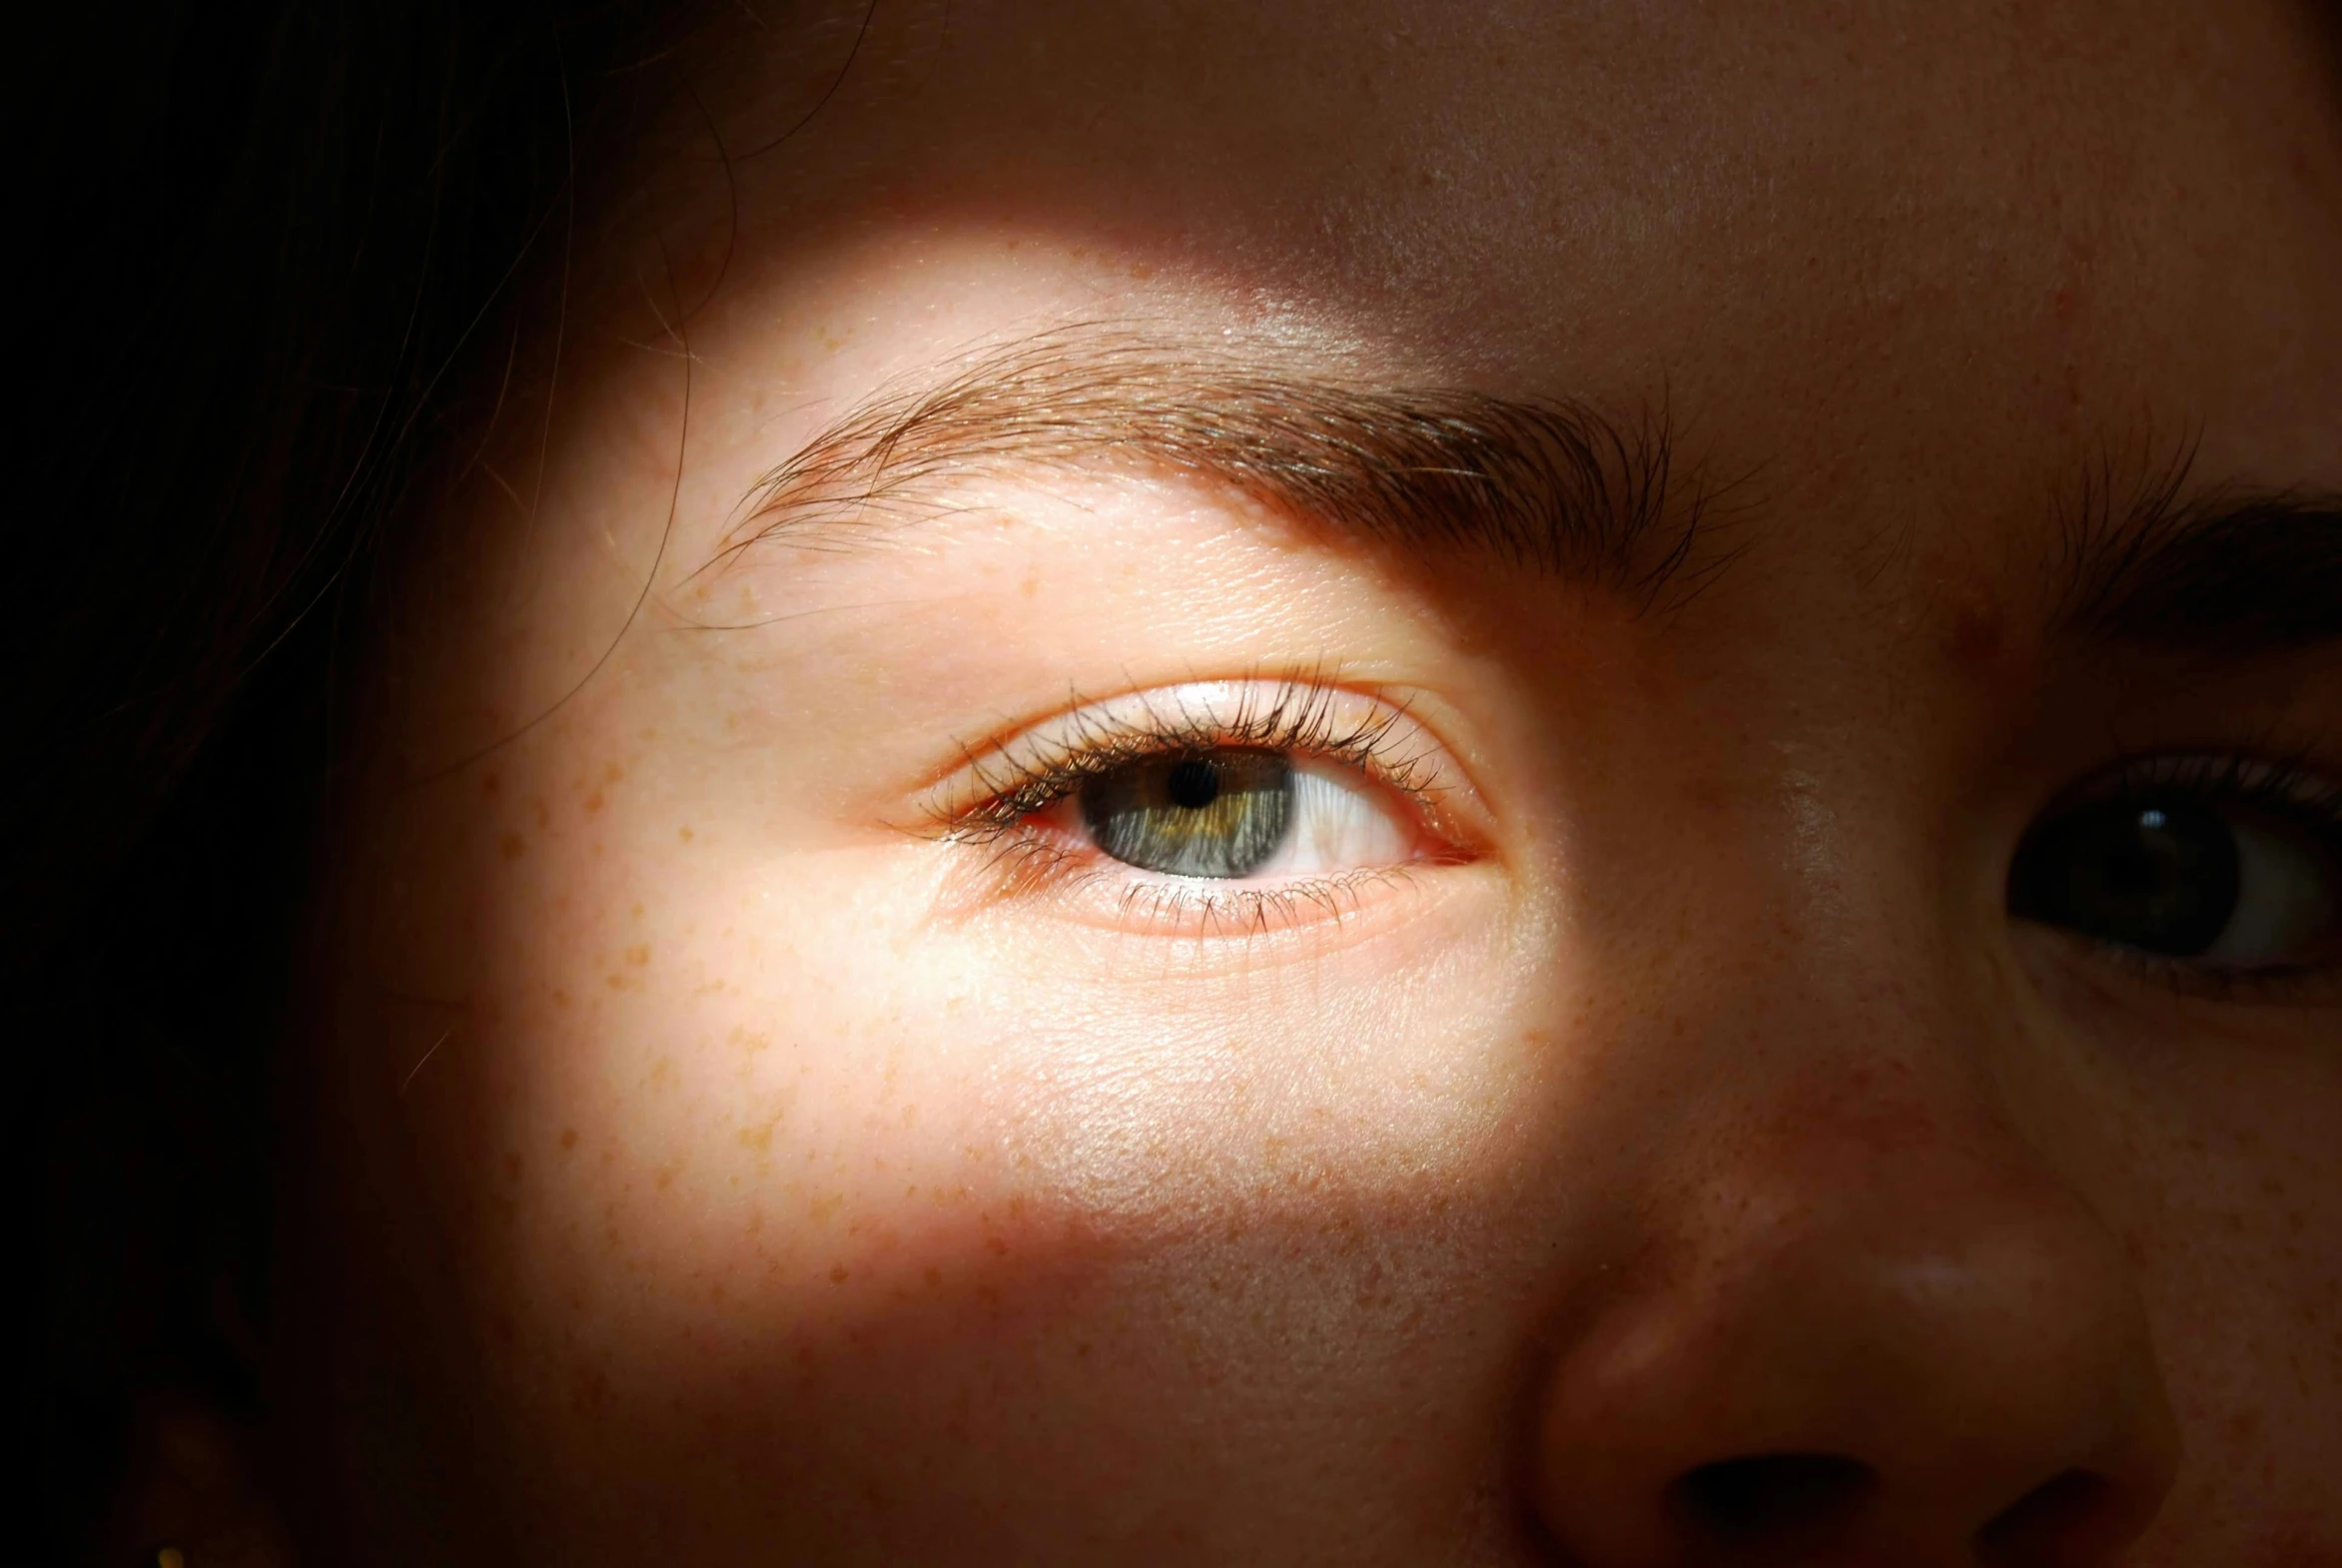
(1342, 822)
(2286, 899)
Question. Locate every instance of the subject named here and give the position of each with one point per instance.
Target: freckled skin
(701, 1162)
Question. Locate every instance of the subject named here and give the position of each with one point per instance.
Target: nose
(1889, 1344)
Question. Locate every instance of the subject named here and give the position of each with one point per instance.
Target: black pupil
(2161, 876)
(1216, 814)
(1193, 784)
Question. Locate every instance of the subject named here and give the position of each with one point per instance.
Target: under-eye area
(1211, 808)
(2217, 874)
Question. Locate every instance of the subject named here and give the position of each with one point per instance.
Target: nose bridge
(1867, 1319)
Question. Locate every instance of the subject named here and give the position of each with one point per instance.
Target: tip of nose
(1766, 1497)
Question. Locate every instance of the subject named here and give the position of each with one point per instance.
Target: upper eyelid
(2294, 776)
(1304, 713)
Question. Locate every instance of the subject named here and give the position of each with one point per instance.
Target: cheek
(755, 1168)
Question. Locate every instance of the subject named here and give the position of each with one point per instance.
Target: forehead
(1897, 245)
(1442, 160)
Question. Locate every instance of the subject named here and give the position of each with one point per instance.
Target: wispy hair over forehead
(1542, 484)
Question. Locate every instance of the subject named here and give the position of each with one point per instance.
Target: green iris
(1195, 814)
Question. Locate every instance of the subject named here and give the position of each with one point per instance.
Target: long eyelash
(1296, 714)
(2292, 785)
(1249, 911)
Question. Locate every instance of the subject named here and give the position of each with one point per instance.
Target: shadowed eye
(2232, 879)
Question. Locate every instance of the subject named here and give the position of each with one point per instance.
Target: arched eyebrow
(1546, 485)
(2227, 573)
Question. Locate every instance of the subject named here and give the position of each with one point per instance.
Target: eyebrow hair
(1543, 485)
(2226, 573)
(1548, 486)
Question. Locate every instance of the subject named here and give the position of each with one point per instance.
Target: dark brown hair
(267, 247)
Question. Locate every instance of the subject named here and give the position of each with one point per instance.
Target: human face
(1374, 783)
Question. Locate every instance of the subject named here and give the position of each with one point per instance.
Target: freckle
(933, 1278)
(513, 846)
(998, 1247)
(560, 998)
(512, 1166)
(569, 1139)
(593, 802)
(684, 834)
(544, 813)
(638, 955)
(663, 1178)
(755, 1223)
(838, 1275)
(489, 784)
(759, 1138)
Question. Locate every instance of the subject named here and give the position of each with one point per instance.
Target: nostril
(1766, 1496)
(2046, 1525)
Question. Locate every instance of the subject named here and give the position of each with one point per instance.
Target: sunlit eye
(2182, 877)
(1235, 813)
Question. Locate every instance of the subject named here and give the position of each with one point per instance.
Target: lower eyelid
(1198, 907)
